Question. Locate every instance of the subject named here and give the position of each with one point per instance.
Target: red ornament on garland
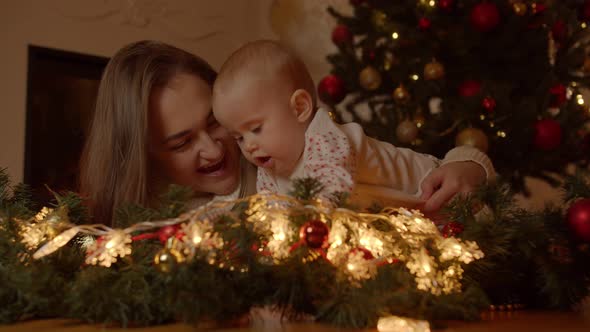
(341, 35)
(558, 92)
(166, 232)
(547, 134)
(331, 89)
(578, 219)
(469, 88)
(366, 253)
(424, 24)
(452, 228)
(485, 16)
(446, 5)
(489, 104)
(314, 234)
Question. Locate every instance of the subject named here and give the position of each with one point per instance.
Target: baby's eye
(257, 130)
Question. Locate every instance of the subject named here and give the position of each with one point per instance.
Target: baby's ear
(302, 104)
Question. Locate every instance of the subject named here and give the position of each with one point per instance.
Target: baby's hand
(443, 183)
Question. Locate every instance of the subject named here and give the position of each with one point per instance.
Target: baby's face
(263, 124)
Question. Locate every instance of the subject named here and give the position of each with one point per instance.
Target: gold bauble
(406, 131)
(472, 137)
(400, 94)
(370, 78)
(434, 70)
(519, 8)
(379, 20)
(167, 260)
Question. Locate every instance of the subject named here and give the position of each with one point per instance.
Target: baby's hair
(266, 59)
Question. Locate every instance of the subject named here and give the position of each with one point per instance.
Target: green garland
(530, 258)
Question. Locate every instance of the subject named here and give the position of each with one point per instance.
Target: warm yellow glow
(501, 133)
(482, 117)
(432, 3)
(279, 236)
(395, 35)
(415, 77)
(583, 25)
(197, 239)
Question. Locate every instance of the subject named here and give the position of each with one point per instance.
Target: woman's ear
(302, 104)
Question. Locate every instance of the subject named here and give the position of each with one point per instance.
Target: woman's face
(186, 143)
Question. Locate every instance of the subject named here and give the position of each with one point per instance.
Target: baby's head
(266, 98)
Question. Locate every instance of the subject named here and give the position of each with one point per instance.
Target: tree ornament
(538, 8)
(406, 131)
(452, 229)
(341, 35)
(489, 104)
(559, 95)
(331, 89)
(469, 88)
(446, 5)
(472, 137)
(419, 120)
(578, 219)
(314, 234)
(559, 31)
(424, 24)
(167, 260)
(370, 78)
(166, 232)
(519, 8)
(435, 105)
(379, 20)
(368, 54)
(547, 134)
(585, 12)
(485, 16)
(434, 70)
(400, 94)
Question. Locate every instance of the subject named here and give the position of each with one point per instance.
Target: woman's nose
(209, 148)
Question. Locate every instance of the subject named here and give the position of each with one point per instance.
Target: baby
(265, 97)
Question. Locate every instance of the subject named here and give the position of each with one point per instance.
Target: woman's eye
(178, 146)
(257, 130)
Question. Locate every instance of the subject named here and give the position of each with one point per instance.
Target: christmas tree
(505, 76)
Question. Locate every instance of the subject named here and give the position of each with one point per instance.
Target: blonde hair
(115, 166)
(266, 59)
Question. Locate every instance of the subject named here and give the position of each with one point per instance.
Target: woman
(152, 126)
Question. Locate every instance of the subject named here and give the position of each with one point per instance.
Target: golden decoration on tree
(472, 137)
(379, 20)
(406, 131)
(434, 70)
(400, 94)
(167, 259)
(370, 78)
(519, 8)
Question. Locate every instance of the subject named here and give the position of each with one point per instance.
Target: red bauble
(559, 30)
(424, 23)
(538, 8)
(452, 228)
(314, 234)
(558, 92)
(547, 134)
(585, 13)
(446, 4)
(485, 16)
(331, 89)
(341, 35)
(366, 253)
(469, 88)
(166, 232)
(578, 219)
(489, 104)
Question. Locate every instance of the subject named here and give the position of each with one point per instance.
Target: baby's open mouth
(263, 161)
(213, 167)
